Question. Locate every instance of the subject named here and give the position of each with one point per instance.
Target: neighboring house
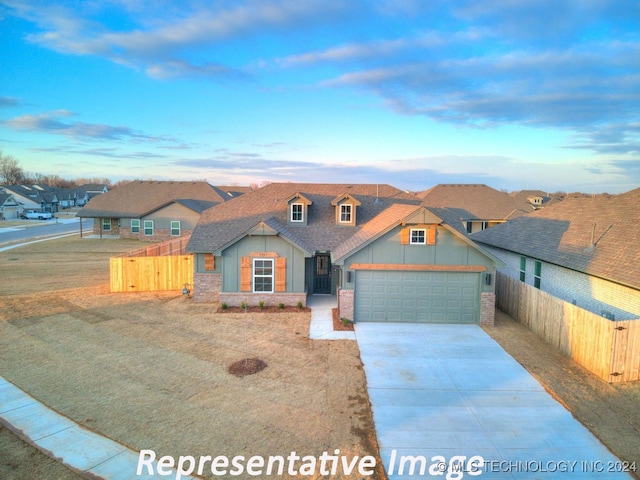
(378, 249)
(9, 207)
(50, 201)
(477, 206)
(535, 199)
(67, 198)
(84, 193)
(585, 251)
(151, 210)
(27, 196)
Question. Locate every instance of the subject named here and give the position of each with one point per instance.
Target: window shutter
(209, 261)
(245, 274)
(404, 236)
(431, 235)
(281, 274)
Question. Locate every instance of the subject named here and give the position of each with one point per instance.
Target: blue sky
(511, 93)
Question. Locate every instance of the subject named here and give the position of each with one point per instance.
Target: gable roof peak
(346, 196)
(299, 196)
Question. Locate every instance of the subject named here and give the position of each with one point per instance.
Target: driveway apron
(444, 394)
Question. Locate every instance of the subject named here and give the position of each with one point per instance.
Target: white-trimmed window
(263, 278)
(135, 225)
(148, 228)
(345, 213)
(175, 228)
(297, 212)
(106, 224)
(418, 236)
(523, 269)
(537, 274)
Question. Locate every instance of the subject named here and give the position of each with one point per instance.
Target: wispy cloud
(565, 65)
(416, 173)
(105, 152)
(615, 138)
(527, 87)
(168, 42)
(54, 123)
(6, 102)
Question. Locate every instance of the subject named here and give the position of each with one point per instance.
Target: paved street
(38, 229)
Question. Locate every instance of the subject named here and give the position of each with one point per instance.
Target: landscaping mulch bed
(256, 309)
(338, 326)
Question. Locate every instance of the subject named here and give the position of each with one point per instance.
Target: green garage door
(418, 297)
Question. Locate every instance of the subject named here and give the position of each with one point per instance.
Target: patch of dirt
(247, 366)
(338, 324)
(610, 411)
(150, 370)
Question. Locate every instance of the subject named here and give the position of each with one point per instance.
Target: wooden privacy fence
(610, 349)
(161, 266)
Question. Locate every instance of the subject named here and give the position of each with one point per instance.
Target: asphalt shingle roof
(474, 201)
(139, 198)
(598, 236)
(225, 223)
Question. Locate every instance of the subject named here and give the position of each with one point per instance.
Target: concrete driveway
(448, 396)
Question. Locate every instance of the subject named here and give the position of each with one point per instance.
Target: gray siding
(448, 250)
(231, 258)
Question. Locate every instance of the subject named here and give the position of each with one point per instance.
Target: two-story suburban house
(585, 251)
(384, 255)
(152, 210)
(27, 196)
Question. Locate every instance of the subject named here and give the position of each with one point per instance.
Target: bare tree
(11, 172)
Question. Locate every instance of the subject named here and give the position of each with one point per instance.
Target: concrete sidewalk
(321, 326)
(59, 437)
(450, 390)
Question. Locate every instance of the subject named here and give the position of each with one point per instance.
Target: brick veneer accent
(345, 303)
(206, 287)
(487, 308)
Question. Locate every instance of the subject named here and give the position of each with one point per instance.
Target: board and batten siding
(390, 249)
(293, 280)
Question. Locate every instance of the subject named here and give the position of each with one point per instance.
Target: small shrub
(300, 304)
(261, 305)
(281, 306)
(223, 306)
(345, 321)
(243, 305)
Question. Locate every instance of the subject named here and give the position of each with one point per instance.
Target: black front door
(322, 274)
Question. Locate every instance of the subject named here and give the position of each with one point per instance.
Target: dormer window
(298, 208)
(297, 212)
(346, 209)
(345, 213)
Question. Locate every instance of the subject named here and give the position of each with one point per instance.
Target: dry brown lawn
(150, 370)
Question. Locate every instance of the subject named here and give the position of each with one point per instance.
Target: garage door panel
(430, 297)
